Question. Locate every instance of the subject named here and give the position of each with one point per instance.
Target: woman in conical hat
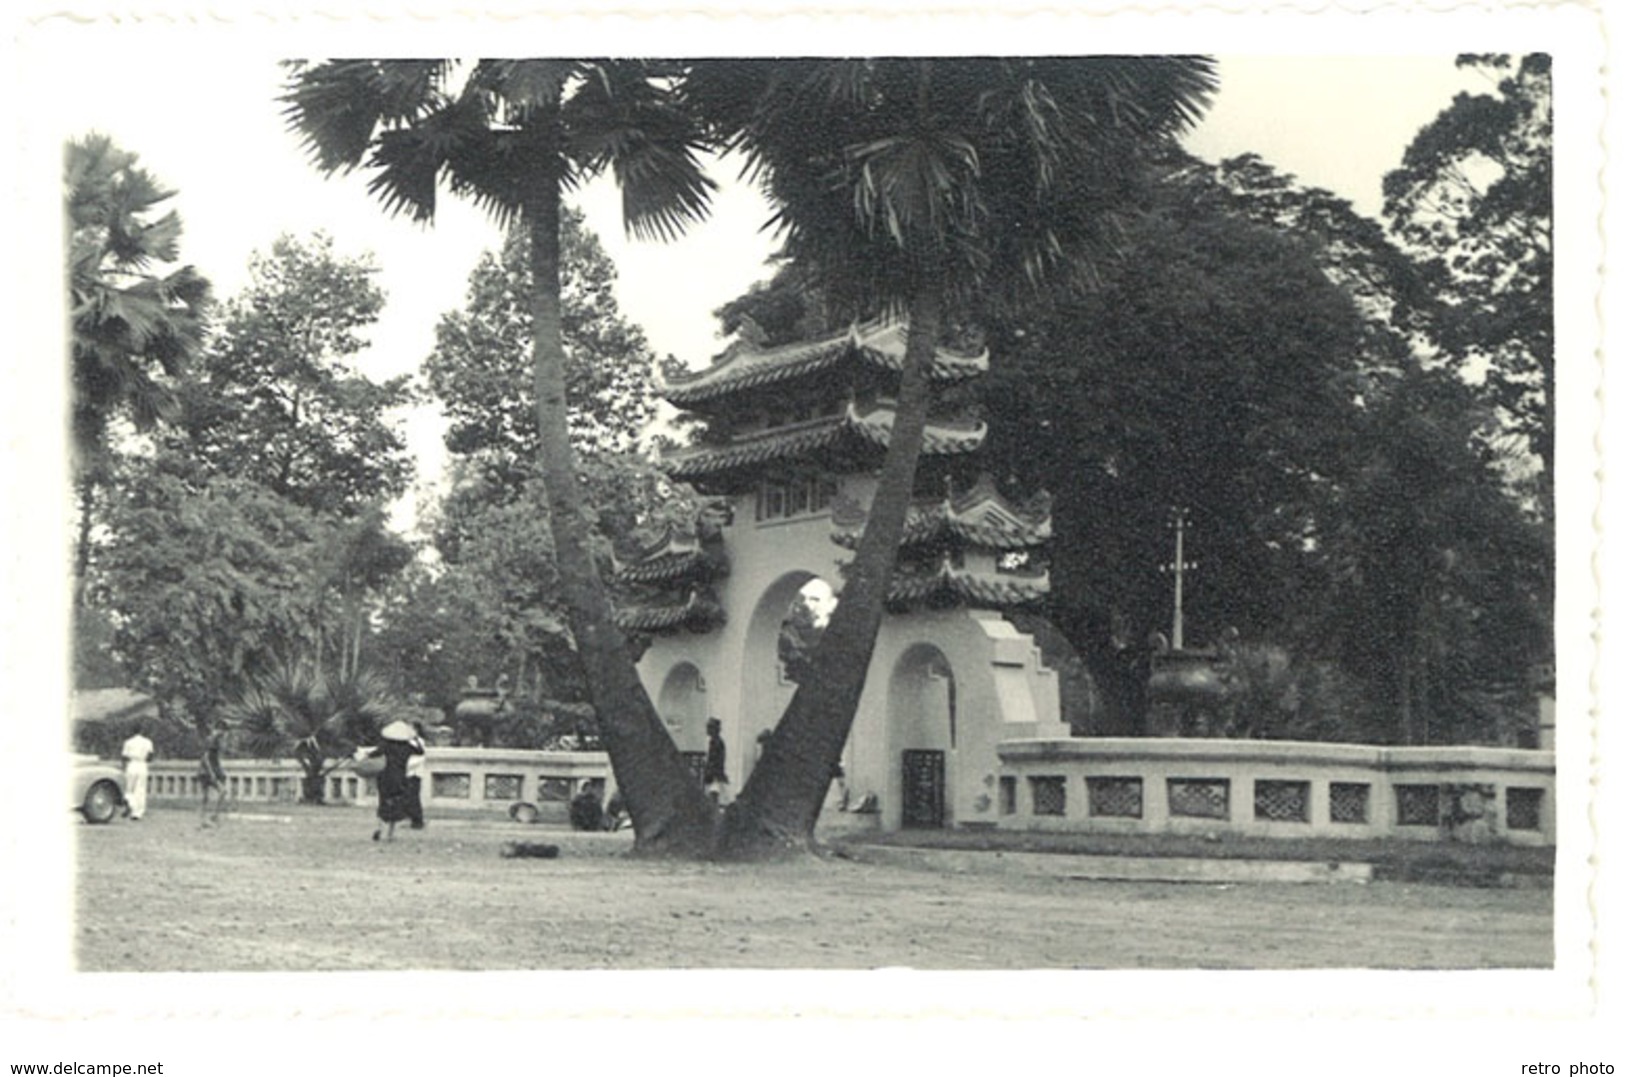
(397, 743)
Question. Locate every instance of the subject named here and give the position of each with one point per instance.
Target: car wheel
(523, 813)
(101, 802)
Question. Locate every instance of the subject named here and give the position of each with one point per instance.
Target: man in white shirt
(137, 753)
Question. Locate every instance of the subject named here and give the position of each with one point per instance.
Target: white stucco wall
(999, 688)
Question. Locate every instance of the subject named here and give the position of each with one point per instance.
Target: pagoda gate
(795, 439)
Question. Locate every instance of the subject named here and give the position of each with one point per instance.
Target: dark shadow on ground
(1456, 863)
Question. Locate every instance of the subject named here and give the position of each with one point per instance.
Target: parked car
(97, 792)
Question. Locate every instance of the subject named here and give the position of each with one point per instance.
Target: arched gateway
(950, 678)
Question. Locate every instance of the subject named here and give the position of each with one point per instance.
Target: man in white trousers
(137, 754)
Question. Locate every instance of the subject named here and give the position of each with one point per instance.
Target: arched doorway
(683, 707)
(788, 619)
(922, 708)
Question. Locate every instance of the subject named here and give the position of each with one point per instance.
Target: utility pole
(1179, 567)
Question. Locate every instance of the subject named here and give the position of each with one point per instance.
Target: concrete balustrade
(461, 780)
(1277, 789)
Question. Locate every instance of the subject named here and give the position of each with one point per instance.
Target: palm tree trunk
(779, 805)
(670, 812)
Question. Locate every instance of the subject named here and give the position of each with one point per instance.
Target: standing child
(211, 775)
(716, 762)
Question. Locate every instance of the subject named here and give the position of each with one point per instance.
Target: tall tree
(134, 326)
(1473, 199)
(276, 398)
(513, 135)
(1353, 251)
(935, 189)
(1216, 370)
(479, 368)
(1434, 571)
(357, 561)
(206, 586)
(479, 371)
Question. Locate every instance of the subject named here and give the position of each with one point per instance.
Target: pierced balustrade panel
(1199, 798)
(1417, 805)
(1523, 808)
(503, 786)
(553, 790)
(452, 786)
(1122, 798)
(1049, 794)
(1351, 802)
(1281, 801)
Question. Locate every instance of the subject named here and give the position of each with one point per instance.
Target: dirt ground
(307, 890)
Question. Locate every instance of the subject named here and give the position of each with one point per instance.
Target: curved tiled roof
(946, 583)
(979, 517)
(673, 557)
(665, 568)
(879, 344)
(849, 427)
(697, 615)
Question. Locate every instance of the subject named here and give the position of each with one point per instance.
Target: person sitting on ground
(615, 817)
(587, 807)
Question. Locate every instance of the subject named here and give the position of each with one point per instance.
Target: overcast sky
(207, 124)
(1335, 122)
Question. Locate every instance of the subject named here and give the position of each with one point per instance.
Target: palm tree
(131, 328)
(513, 135)
(318, 719)
(934, 190)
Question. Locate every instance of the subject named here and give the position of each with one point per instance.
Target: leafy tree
(788, 307)
(1473, 199)
(93, 663)
(1353, 251)
(512, 135)
(205, 587)
(134, 328)
(922, 187)
(357, 561)
(480, 372)
(276, 399)
(1217, 369)
(1434, 597)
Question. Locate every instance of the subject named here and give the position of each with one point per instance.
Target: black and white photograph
(797, 517)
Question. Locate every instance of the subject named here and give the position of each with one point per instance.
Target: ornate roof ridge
(695, 613)
(981, 516)
(744, 365)
(872, 427)
(967, 585)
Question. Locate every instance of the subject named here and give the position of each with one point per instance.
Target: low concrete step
(1124, 868)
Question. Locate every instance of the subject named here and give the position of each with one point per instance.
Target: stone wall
(460, 780)
(1277, 789)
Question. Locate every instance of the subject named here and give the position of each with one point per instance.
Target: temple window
(796, 497)
(770, 501)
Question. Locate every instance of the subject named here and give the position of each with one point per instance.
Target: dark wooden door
(923, 798)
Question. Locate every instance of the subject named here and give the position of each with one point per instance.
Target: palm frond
(626, 119)
(337, 106)
(522, 89)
